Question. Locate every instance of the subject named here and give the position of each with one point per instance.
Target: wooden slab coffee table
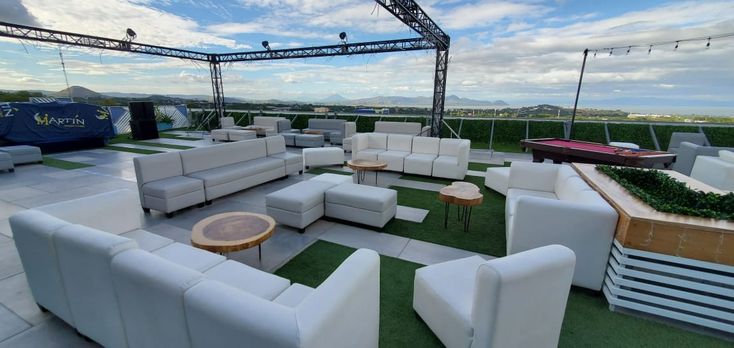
(465, 195)
(361, 167)
(230, 232)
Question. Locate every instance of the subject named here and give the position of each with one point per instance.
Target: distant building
(321, 109)
(365, 111)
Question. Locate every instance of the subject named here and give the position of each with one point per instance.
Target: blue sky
(523, 52)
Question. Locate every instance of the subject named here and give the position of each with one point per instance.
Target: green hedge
(589, 132)
(720, 136)
(507, 135)
(454, 123)
(663, 133)
(632, 133)
(476, 130)
(546, 129)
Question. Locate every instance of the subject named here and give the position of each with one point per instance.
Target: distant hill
(451, 100)
(334, 98)
(78, 92)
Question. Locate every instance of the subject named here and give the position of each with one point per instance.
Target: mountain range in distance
(336, 99)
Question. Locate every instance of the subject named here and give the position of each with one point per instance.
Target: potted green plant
(163, 120)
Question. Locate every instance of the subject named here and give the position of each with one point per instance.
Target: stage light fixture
(266, 45)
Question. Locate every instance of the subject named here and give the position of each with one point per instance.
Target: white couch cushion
(232, 172)
(426, 145)
(293, 296)
(533, 176)
(299, 197)
(333, 178)
(190, 257)
(157, 166)
(443, 297)
(172, 187)
(85, 255)
(368, 154)
(400, 142)
(261, 284)
(419, 163)
(377, 141)
(394, 159)
(150, 291)
(275, 144)
(203, 158)
(449, 147)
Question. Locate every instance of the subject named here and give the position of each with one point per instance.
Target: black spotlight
(343, 37)
(266, 45)
(130, 34)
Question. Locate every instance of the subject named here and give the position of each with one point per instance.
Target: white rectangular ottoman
(23, 154)
(298, 205)
(323, 156)
(6, 162)
(220, 135)
(335, 179)
(367, 205)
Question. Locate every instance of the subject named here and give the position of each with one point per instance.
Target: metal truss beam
(439, 91)
(410, 13)
(400, 45)
(66, 38)
(217, 87)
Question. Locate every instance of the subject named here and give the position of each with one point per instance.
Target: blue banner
(31, 123)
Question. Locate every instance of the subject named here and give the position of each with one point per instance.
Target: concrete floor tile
(9, 258)
(356, 237)
(171, 232)
(5, 228)
(17, 193)
(53, 333)
(58, 185)
(428, 253)
(15, 294)
(418, 185)
(8, 209)
(411, 214)
(65, 174)
(56, 197)
(10, 324)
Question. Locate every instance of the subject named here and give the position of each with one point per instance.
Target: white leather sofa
(688, 152)
(138, 289)
(266, 125)
(388, 127)
(333, 130)
(550, 204)
(171, 181)
(443, 158)
(715, 171)
(513, 301)
(231, 132)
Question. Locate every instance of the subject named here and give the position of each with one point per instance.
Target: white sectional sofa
(171, 181)
(231, 132)
(387, 127)
(333, 129)
(88, 262)
(443, 158)
(715, 171)
(551, 204)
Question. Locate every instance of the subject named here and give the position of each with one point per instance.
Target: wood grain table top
(461, 193)
(234, 231)
(360, 164)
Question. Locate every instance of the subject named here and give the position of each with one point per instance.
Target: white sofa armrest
(587, 229)
(344, 311)
(350, 128)
(463, 157)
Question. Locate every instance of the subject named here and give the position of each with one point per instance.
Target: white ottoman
(335, 179)
(6, 162)
(23, 154)
(367, 205)
(298, 205)
(220, 135)
(241, 134)
(497, 179)
(624, 144)
(323, 156)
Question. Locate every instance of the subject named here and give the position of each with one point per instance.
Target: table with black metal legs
(361, 167)
(465, 195)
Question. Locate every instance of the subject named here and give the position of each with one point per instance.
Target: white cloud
(486, 12)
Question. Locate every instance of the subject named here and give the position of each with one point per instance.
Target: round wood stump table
(465, 195)
(361, 167)
(230, 232)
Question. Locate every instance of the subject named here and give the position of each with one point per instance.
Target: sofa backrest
(157, 166)
(563, 175)
(399, 142)
(572, 189)
(533, 176)
(214, 156)
(85, 255)
(350, 128)
(678, 137)
(33, 235)
(267, 121)
(377, 141)
(521, 291)
(426, 145)
(275, 144)
(687, 152)
(454, 147)
(114, 212)
(150, 290)
(283, 125)
(726, 156)
(227, 122)
(318, 123)
(219, 315)
(344, 311)
(409, 128)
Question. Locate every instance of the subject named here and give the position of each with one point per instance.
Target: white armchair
(715, 171)
(550, 204)
(514, 301)
(453, 159)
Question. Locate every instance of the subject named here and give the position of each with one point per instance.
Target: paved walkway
(23, 325)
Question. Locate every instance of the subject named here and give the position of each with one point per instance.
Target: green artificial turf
(128, 149)
(587, 322)
(486, 233)
(322, 170)
(61, 164)
(178, 137)
(123, 139)
(483, 166)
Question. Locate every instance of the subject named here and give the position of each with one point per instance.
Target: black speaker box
(144, 129)
(141, 111)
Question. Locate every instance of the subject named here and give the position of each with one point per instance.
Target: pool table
(565, 150)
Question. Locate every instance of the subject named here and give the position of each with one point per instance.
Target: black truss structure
(408, 11)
